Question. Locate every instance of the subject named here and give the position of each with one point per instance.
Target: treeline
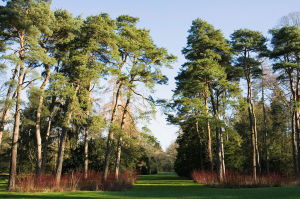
(84, 79)
(237, 101)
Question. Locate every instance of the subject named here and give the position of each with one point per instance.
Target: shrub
(75, 181)
(236, 180)
(125, 181)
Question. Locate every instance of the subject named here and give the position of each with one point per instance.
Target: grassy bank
(166, 185)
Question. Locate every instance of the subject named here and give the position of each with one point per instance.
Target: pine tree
(21, 21)
(246, 43)
(144, 61)
(203, 81)
(285, 52)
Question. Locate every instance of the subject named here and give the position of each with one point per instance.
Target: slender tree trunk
(294, 85)
(118, 159)
(46, 144)
(295, 126)
(3, 120)
(209, 150)
(221, 163)
(119, 148)
(8, 102)
(110, 135)
(86, 140)
(200, 145)
(252, 121)
(297, 135)
(256, 139)
(223, 155)
(297, 113)
(252, 132)
(60, 155)
(63, 138)
(219, 139)
(14, 149)
(38, 124)
(86, 153)
(294, 144)
(265, 128)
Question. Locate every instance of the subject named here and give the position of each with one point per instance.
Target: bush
(125, 181)
(236, 180)
(75, 181)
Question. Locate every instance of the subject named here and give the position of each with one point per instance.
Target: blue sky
(169, 20)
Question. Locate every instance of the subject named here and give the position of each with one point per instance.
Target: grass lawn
(165, 185)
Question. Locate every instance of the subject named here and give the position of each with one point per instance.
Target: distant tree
(172, 153)
(291, 19)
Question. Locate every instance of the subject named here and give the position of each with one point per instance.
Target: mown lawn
(165, 186)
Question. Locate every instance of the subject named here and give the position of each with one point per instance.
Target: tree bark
(86, 154)
(256, 140)
(110, 135)
(295, 126)
(14, 149)
(8, 103)
(252, 130)
(46, 144)
(209, 150)
(119, 148)
(294, 144)
(200, 146)
(63, 138)
(265, 127)
(118, 159)
(252, 118)
(38, 124)
(219, 139)
(297, 135)
(60, 155)
(86, 140)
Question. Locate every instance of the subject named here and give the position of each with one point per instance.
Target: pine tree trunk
(7, 104)
(60, 155)
(252, 128)
(209, 150)
(63, 137)
(46, 144)
(220, 152)
(297, 135)
(223, 155)
(265, 128)
(219, 139)
(38, 124)
(15, 137)
(86, 140)
(256, 139)
(110, 135)
(118, 159)
(295, 126)
(86, 153)
(294, 144)
(119, 149)
(297, 114)
(200, 146)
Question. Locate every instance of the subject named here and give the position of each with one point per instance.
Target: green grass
(165, 185)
